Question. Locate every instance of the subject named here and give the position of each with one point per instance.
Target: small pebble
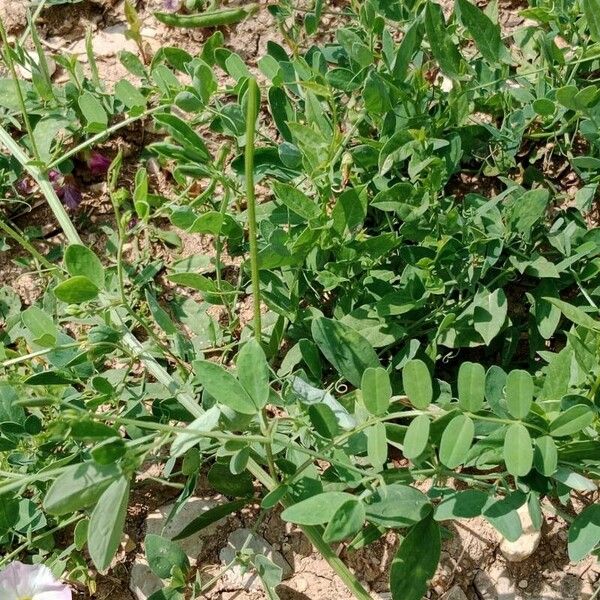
(523, 583)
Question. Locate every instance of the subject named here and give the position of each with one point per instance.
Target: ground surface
(471, 558)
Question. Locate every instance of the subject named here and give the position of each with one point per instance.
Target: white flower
(31, 582)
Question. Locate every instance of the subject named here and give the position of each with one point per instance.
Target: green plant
(393, 304)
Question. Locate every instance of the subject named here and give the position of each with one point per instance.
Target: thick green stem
(251, 115)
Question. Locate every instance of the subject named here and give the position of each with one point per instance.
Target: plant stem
(17, 237)
(100, 136)
(45, 186)
(315, 537)
(251, 116)
(11, 66)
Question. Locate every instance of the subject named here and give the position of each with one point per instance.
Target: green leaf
(80, 260)
(503, 515)
(253, 372)
(528, 209)
(416, 561)
(574, 480)
(376, 94)
(107, 522)
(443, 48)
(377, 449)
(222, 479)
(79, 486)
(76, 290)
(93, 112)
(575, 314)
(164, 555)
(456, 441)
(518, 452)
(416, 438)
(489, 312)
(519, 393)
(572, 420)
(466, 504)
(397, 505)
(317, 509)
(296, 200)
(212, 515)
(471, 386)
(182, 133)
(349, 211)
(376, 390)
(347, 520)
(591, 10)
(346, 349)
(129, 95)
(416, 381)
(270, 575)
(185, 440)
(224, 387)
(545, 455)
(584, 533)
(483, 30)
(41, 326)
(323, 419)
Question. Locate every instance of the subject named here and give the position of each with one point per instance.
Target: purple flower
(171, 5)
(31, 582)
(70, 196)
(55, 176)
(26, 186)
(98, 163)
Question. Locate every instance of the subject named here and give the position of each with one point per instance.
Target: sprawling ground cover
(393, 327)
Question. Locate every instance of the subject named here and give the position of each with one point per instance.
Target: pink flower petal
(19, 581)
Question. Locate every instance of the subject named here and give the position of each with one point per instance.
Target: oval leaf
(316, 510)
(584, 533)
(347, 520)
(417, 436)
(456, 441)
(518, 453)
(106, 523)
(76, 290)
(253, 372)
(416, 381)
(224, 387)
(571, 421)
(471, 386)
(397, 505)
(79, 486)
(545, 455)
(346, 349)
(519, 393)
(416, 561)
(376, 390)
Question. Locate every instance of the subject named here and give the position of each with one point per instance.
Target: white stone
(454, 593)
(194, 507)
(142, 581)
(526, 545)
(24, 70)
(244, 538)
(107, 43)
